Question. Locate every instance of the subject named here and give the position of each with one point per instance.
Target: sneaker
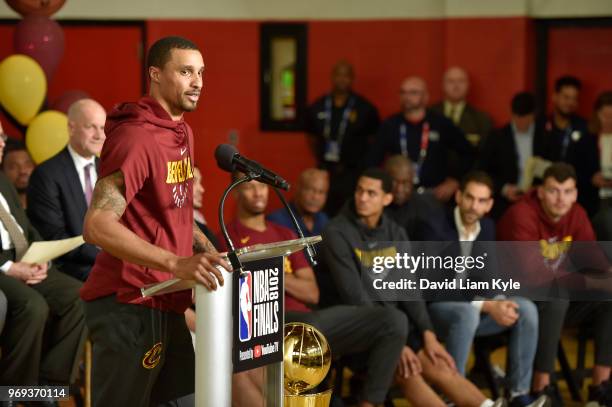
(553, 394)
(600, 396)
(526, 400)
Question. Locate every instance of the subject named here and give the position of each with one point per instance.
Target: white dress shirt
(80, 162)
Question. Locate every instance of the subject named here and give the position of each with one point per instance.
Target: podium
(214, 328)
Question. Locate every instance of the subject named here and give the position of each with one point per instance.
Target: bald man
(474, 123)
(308, 202)
(342, 126)
(425, 137)
(61, 188)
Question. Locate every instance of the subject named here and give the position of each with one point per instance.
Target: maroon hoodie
(527, 221)
(155, 155)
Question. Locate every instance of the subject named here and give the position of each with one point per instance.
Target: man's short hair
(159, 53)
(13, 145)
(479, 177)
(567, 80)
(523, 103)
(377, 173)
(560, 171)
(603, 99)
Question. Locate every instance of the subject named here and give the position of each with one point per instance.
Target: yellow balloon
(47, 135)
(23, 86)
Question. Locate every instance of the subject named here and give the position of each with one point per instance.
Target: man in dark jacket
(474, 123)
(507, 152)
(61, 188)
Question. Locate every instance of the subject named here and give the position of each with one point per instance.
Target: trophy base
(309, 400)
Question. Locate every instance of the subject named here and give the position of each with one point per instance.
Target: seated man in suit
(376, 334)
(474, 123)
(361, 232)
(17, 165)
(40, 300)
(459, 322)
(506, 153)
(61, 188)
(307, 205)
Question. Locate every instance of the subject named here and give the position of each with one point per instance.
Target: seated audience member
(550, 214)
(307, 205)
(61, 188)
(417, 213)
(569, 140)
(17, 165)
(341, 126)
(41, 300)
(506, 153)
(459, 322)
(427, 138)
(474, 123)
(351, 239)
(374, 333)
(198, 216)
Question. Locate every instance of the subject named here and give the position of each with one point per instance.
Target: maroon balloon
(36, 7)
(42, 39)
(63, 102)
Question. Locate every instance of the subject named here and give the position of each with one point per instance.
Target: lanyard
(565, 138)
(343, 124)
(422, 150)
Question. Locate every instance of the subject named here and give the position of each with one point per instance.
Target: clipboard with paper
(42, 252)
(534, 168)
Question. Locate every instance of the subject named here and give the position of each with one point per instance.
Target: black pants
(44, 333)
(377, 332)
(597, 316)
(141, 356)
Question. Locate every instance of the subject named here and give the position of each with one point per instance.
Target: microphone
(229, 159)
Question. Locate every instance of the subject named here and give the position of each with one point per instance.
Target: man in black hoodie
(351, 240)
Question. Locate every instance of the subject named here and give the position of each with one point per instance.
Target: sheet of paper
(534, 168)
(42, 252)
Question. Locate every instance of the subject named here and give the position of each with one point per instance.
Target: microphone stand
(231, 252)
(310, 250)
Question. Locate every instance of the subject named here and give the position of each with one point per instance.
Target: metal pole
(213, 386)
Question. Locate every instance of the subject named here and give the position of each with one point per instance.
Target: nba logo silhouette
(245, 326)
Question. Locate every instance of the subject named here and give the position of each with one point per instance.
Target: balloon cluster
(39, 47)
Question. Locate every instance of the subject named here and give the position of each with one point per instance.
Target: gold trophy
(306, 361)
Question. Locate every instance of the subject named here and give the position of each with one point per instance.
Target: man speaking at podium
(141, 215)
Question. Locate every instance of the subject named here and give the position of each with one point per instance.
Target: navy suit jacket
(57, 208)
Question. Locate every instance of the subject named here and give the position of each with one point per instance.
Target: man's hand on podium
(202, 268)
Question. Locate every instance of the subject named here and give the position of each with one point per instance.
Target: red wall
(103, 61)
(585, 53)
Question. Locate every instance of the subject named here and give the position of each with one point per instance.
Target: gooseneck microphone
(230, 160)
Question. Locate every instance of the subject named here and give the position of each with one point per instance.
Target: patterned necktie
(19, 240)
(88, 185)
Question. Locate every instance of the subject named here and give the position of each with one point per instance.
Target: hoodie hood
(146, 110)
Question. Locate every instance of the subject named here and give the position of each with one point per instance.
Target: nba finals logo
(245, 306)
